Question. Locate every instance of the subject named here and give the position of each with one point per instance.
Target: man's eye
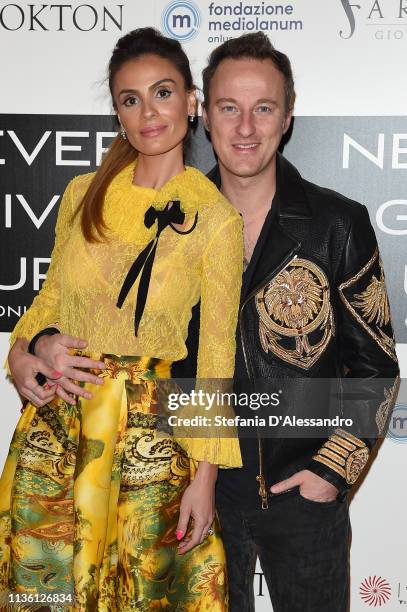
(131, 101)
(264, 108)
(164, 93)
(228, 108)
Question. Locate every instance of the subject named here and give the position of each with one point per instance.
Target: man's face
(246, 115)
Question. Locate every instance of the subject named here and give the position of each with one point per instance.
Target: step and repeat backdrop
(349, 134)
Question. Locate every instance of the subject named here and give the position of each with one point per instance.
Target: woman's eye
(164, 93)
(131, 101)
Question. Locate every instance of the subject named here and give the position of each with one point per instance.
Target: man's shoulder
(331, 199)
(326, 207)
(330, 205)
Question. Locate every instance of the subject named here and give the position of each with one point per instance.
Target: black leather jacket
(316, 308)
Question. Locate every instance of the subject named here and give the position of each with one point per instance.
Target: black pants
(303, 548)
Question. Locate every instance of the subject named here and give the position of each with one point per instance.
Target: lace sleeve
(45, 308)
(220, 297)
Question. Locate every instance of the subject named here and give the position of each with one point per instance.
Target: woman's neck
(155, 170)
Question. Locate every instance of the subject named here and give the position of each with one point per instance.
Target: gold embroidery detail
(373, 301)
(373, 305)
(387, 404)
(293, 305)
(343, 443)
(325, 451)
(344, 449)
(351, 438)
(336, 448)
(355, 464)
(331, 465)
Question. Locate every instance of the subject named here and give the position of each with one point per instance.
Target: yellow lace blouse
(84, 280)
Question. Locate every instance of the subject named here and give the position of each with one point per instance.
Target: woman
(94, 493)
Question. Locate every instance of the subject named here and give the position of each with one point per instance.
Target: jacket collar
(275, 246)
(293, 199)
(293, 202)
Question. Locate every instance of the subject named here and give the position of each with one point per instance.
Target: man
(313, 308)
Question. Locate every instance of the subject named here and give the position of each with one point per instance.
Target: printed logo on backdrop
(227, 20)
(375, 591)
(397, 431)
(61, 17)
(181, 20)
(384, 19)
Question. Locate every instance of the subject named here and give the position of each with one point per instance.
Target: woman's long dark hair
(139, 42)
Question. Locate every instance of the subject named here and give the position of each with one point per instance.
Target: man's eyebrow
(153, 86)
(269, 100)
(219, 100)
(259, 101)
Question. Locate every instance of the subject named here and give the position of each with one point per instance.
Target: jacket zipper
(260, 477)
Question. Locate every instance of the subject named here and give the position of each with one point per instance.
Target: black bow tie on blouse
(144, 262)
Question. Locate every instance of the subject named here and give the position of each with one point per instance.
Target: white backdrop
(348, 59)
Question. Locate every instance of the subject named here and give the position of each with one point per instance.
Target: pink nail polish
(179, 534)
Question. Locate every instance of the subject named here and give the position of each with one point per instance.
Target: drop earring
(123, 133)
(191, 118)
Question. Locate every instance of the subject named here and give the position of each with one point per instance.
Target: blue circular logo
(398, 424)
(181, 20)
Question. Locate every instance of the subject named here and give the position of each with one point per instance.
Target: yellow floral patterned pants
(89, 503)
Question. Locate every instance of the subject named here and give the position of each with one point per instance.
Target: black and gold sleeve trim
(345, 454)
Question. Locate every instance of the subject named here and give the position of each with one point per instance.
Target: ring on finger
(210, 532)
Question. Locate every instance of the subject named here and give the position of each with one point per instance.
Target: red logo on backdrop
(375, 591)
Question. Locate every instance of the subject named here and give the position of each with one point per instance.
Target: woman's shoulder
(80, 183)
(74, 192)
(207, 195)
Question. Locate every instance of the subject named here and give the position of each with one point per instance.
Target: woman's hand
(24, 368)
(54, 351)
(198, 503)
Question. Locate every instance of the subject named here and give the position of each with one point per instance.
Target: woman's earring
(123, 133)
(191, 118)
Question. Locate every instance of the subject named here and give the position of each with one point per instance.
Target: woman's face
(152, 104)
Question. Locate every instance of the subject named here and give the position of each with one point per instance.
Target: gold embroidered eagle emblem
(370, 306)
(373, 301)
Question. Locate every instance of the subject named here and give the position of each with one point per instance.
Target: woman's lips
(153, 130)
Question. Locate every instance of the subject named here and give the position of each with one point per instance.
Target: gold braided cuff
(344, 454)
